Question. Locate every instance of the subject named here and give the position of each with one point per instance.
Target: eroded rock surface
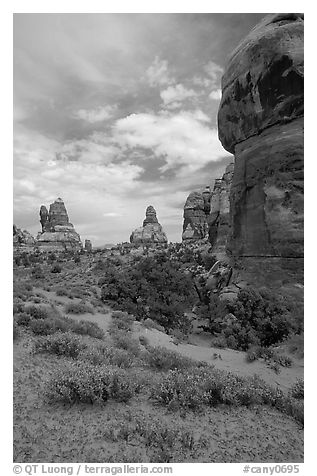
(58, 233)
(22, 237)
(196, 210)
(151, 232)
(88, 246)
(260, 121)
(219, 218)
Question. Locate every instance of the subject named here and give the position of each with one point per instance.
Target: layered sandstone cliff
(58, 233)
(260, 121)
(151, 232)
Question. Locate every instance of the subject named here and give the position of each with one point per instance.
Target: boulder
(151, 232)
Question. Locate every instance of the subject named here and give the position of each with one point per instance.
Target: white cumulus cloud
(183, 139)
(95, 115)
(174, 95)
(158, 73)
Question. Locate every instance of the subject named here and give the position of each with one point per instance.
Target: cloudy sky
(115, 112)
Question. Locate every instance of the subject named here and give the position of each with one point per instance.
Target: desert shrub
(121, 321)
(86, 383)
(297, 391)
(270, 355)
(87, 328)
(18, 307)
(78, 308)
(260, 314)
(159, 358)
(152, 287)
(150, 324)
(257, 318)
(56, 268)
(119, 357)
(295, 345)
(22, 319)
(22, 291)
(38, 312)
(198, 387)
(37, 272)
(66, 344)
(125, 340)
(62, 291)
(220, 342)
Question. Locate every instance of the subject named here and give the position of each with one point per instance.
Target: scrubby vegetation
(86, 383)
(172, 400)
(257, 318)
(153, 287)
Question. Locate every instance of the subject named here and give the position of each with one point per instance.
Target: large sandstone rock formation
(196, 210)
(260, 121)
(88, 246)
(58, 234)
(22, 238)
(151, 232)
(219, 217)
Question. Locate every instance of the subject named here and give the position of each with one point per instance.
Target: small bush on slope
(159, 358)
(78, 308)
(64, 344)
(297, 391)
(86, 383)
(101, 354)
(199, 387)
(39, 312)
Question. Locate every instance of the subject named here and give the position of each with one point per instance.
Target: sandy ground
(76, 433)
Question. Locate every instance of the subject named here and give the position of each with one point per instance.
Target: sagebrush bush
(297, 391)
(56, 268)
(64, 344)
(105, 355)
(126, 341)
(206, 386)
(87, 328)
(78, 308)
(159, 358)
(121, 321)
(38, 312)
(22, 319)
(86, 383)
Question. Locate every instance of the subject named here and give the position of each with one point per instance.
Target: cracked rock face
(219, 217)
(88, 246)
(58, 233)
(196, 210)
(22, 238)
(151, 232)
(260, 121)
